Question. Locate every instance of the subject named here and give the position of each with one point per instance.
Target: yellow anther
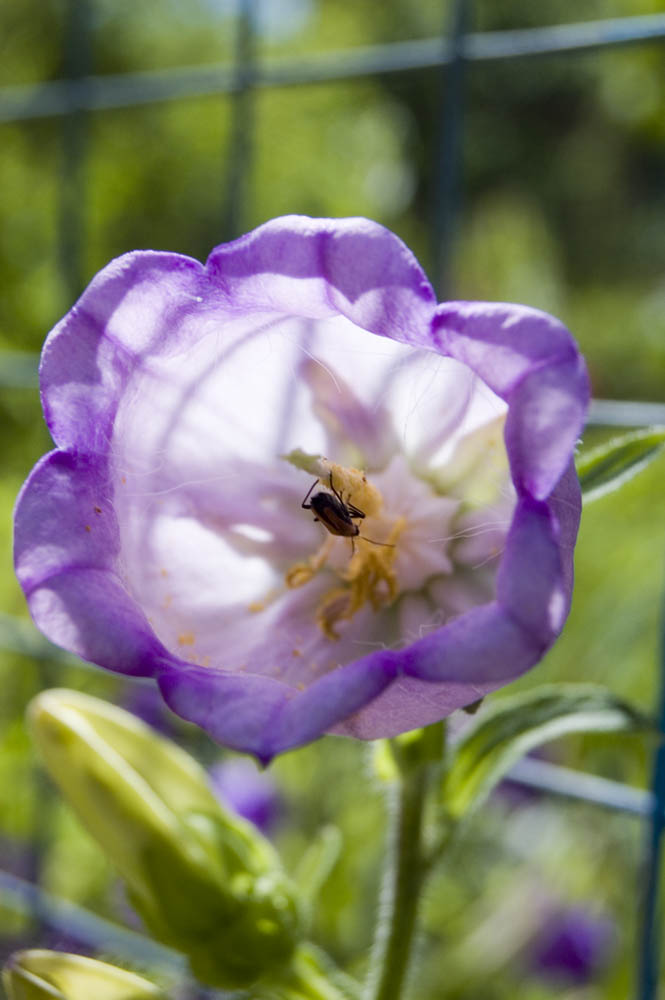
(369, 576)
(369, 579)
(353, 486)
(301, 573)
(333, 608)
(298, 575)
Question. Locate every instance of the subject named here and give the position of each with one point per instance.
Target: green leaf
(607, 467)
(511, 727)
(317, 863)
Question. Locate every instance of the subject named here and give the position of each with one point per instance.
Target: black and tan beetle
(336, 514)
(331, 510)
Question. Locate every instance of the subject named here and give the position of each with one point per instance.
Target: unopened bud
(203, 879)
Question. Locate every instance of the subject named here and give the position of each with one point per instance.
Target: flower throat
(369, 577)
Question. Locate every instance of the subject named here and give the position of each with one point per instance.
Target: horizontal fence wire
(61, 97)
(81, 924)
(108, 940)
(566, 783)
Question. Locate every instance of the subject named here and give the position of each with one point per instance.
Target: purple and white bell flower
(171, 532)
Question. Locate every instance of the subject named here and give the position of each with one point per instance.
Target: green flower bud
(53, 975)
(204, 880)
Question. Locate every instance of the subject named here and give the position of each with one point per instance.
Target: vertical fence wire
(448, 166)
(70, 235)
(239, 150)
(648, 948)
(76, 67)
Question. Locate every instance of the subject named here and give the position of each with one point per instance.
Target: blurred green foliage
(562, 206)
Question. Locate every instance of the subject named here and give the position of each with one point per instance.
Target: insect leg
(354, 511)
(338, 495)
(308, 506)
(351, 510)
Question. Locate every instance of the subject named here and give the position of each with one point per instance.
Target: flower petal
(235, 709)
(537, 600)
(332, 698)
(485, 646)
(66, 544)
(356, 433)
(530, 360)
(265, 717)
(353, 267)
(446, 670)
(64, 517)
(137, 305)
(89, 612)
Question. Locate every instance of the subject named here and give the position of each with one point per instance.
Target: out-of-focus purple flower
(191, 408)
(251, 793)
(572, 946)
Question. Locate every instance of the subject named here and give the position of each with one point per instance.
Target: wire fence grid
(454, 52)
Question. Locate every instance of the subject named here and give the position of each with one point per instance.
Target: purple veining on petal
(349, 423)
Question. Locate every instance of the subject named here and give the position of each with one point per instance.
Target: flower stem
(403, 878)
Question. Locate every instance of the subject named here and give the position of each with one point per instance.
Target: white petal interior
(210, 514)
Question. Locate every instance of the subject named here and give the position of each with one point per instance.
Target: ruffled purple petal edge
(530, 360)
(66, 540)
(146, 302)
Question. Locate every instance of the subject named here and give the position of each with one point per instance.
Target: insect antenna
(388, 545)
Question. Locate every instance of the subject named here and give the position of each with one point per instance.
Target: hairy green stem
(404, 873)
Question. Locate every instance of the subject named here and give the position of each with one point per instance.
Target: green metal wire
(125, 90)
(649, 939)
